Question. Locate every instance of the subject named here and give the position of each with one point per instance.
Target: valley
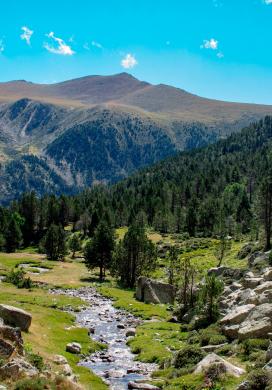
(62, 138)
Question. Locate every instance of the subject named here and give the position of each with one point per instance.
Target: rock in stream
(116, 364)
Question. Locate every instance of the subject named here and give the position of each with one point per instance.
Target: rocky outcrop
(15, 317)
(152, 291)
(246, 306)
(213, 359)
(17, 367)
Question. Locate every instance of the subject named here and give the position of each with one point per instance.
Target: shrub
(36, 360)
(211, 336)
(188, 357)
(259, 380)
(32, 384)
(254, 345)
(215, 372)
(17, 277)
(225, 350)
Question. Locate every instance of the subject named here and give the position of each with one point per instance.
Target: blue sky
(215, 48)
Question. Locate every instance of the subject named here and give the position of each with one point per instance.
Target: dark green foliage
(17, 277)
(134, 256)
(210, 291)
(212, 336)
(259, 380)
(32, 384)
(254, 345)
(35, 359)
(13, 235)
(215, 372)
(54, 243)
(98, 250)
(188, 357)
(74, 243)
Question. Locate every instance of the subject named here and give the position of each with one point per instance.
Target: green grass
(156, 341)
(124, 299)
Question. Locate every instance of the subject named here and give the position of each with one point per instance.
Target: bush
(32, 384)
(17, 277)
(259, 380)
(215, 372)
(36, 360)
(254, 345)
(211, 336)
(188, 356)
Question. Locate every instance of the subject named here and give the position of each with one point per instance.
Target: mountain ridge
(102, 129)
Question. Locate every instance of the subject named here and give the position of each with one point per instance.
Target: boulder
(257, 258)
(67, 370)
(252, 282)
(15, 317)
(212, 348)
(152, 291)
(59, 359)
(265, 297)
(141, 386)
(212, 359)
(16, 368)
(246, 297)
(237, 315)
(131, 332)
(258, 323)
(226, 272)
(73, 348)
(115, 374)
(263, 287)
(6, 349)
(267, 274)
(231, 331)
(14, 335)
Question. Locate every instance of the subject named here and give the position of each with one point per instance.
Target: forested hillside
(200, 192)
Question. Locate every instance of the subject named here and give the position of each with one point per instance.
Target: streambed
(106, 324)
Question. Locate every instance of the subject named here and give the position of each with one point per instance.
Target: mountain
(101, 129)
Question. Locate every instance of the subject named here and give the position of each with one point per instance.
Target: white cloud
(210, 44)
(268, 2)
(60, 47)
(129, 61)
(97, 44)
(26, 35)
(2, 46)
(220, 55)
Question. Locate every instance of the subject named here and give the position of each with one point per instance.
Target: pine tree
(13, 235)
(74, 244)
(135, 255)
(98, 250)
(54, 242)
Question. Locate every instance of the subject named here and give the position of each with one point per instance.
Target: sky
(219, 49)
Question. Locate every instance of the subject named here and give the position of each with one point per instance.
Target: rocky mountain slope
(66, 136)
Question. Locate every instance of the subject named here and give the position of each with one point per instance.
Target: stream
(106, 324)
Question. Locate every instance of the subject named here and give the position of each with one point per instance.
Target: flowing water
(116, 364)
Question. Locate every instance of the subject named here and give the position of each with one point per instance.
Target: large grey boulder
(226, 272)
(267, 274)
(237, 315)
(15, 317)
(263, 287)
(212, 359)
(152, 291)
(258, 323)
